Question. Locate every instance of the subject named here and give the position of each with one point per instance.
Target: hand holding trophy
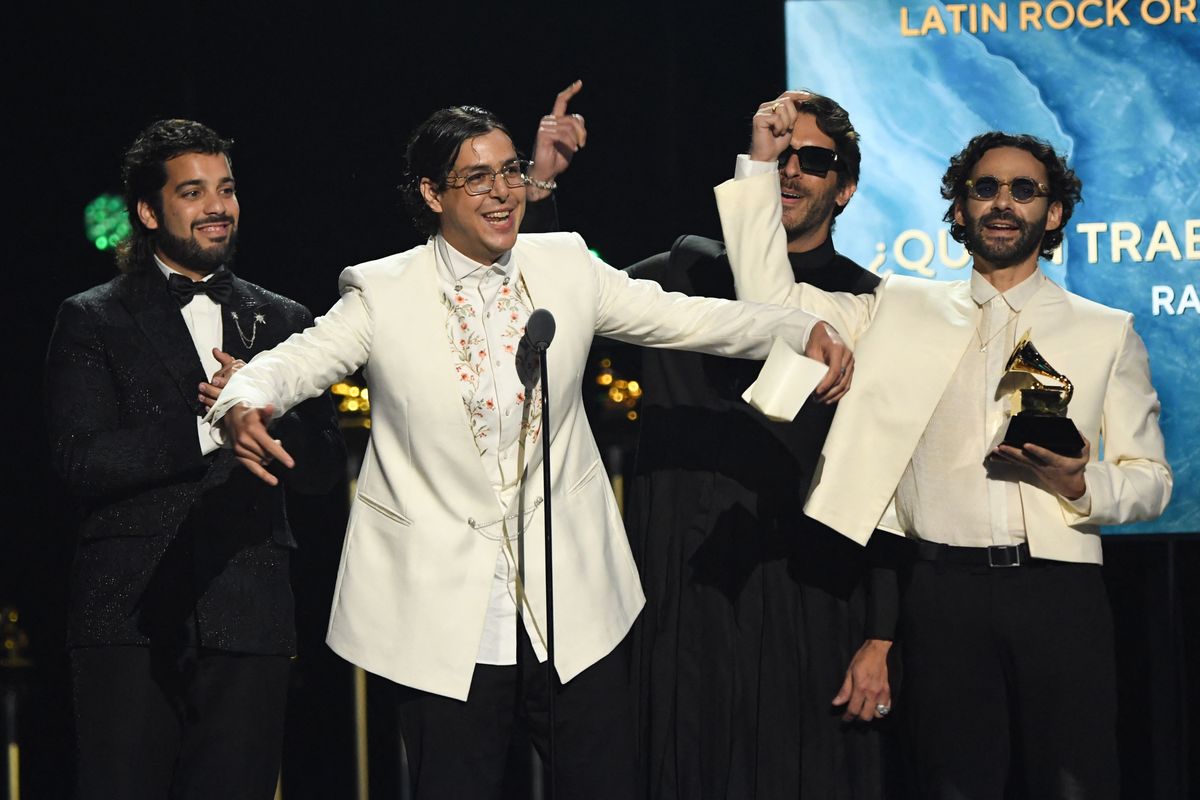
(1038, 411)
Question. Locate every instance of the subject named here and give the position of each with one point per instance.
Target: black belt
(1004, 555)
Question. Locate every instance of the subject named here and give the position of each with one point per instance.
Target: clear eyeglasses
(480, 181)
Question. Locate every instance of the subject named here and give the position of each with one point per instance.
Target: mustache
(1001, 216)
(218, 218)
(793, 188)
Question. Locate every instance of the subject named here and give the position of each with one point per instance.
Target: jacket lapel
(157, 315)
(907, 357)
(246, 323)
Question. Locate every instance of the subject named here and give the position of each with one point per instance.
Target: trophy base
(1058, 434)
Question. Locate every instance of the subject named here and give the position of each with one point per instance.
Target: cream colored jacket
(423, 537)
(909, 337)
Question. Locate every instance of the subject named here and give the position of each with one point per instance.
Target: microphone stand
(546, 515)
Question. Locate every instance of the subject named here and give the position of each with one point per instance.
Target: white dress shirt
(203, 319)
(951, 493)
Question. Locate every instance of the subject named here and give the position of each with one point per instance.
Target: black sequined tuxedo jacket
(175, 548)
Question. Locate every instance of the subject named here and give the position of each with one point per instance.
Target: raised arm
(559, 137)
(752, 222)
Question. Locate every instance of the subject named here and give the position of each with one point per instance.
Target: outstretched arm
(640, 312)
(309, 432)
(301, 367)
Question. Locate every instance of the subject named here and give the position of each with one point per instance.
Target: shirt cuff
(211, 438)
(745, 168)
(812, 323)
(1082, 505)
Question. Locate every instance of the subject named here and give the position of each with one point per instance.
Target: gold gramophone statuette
(1038, 408)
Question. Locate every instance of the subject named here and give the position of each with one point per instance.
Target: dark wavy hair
(144, 172)
(432, 150)
(834, 122)
(1065, 186)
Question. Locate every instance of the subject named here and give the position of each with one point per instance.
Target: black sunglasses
(813, 160)
(1022, 190)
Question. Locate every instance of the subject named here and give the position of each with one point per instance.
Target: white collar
(168, 271)
(1017, 296)
(455, 266)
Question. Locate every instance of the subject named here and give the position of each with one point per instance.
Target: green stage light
(595, 252)
(105, 221)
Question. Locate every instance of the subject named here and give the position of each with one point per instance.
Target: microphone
(540, 329)
(539, 332)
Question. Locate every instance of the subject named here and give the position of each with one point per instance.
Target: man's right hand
(771, 127)
(246, 427)
(826, 346)
(865, 692)
(559, 137)
(211, 390)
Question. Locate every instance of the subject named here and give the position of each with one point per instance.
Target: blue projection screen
(1115, 84)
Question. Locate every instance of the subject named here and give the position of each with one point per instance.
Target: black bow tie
(219, 287)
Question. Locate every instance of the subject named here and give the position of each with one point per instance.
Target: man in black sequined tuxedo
(756, 617)
(181, 613)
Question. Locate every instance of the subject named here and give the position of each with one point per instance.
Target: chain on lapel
(258, 318)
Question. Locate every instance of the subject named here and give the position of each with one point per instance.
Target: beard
(1003, 254)
(812, 216)
(189, 254)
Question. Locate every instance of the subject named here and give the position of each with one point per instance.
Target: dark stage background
(320, 101)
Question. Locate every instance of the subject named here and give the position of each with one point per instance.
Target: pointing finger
(564, 97)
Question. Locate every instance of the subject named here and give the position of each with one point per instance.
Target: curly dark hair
(144, 171)
(1065, 186)
(432, 150)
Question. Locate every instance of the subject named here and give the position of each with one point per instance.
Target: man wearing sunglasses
(1006, 630)
(756, 615)
(449, 500)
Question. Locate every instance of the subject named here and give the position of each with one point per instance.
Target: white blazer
(421, 546)
(909, 338)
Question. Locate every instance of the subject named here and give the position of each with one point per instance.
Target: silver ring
(882, 710)
(843, 372)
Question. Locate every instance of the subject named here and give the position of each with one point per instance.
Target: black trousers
(153, 724)
(1010, 686)
(460, 748)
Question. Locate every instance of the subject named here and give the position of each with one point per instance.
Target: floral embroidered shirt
(487, 308)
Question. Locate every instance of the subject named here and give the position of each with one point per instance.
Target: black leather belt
(1009, 555)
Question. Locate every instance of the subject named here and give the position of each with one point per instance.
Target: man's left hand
(559, 137)
(826, 346)
(866, 689)
(1061, 474)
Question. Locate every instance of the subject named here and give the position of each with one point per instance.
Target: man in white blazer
(449, 498)
(1006, 630)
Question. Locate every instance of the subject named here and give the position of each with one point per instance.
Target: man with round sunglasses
(441, 589)
(1006, 630)
(760, 642)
